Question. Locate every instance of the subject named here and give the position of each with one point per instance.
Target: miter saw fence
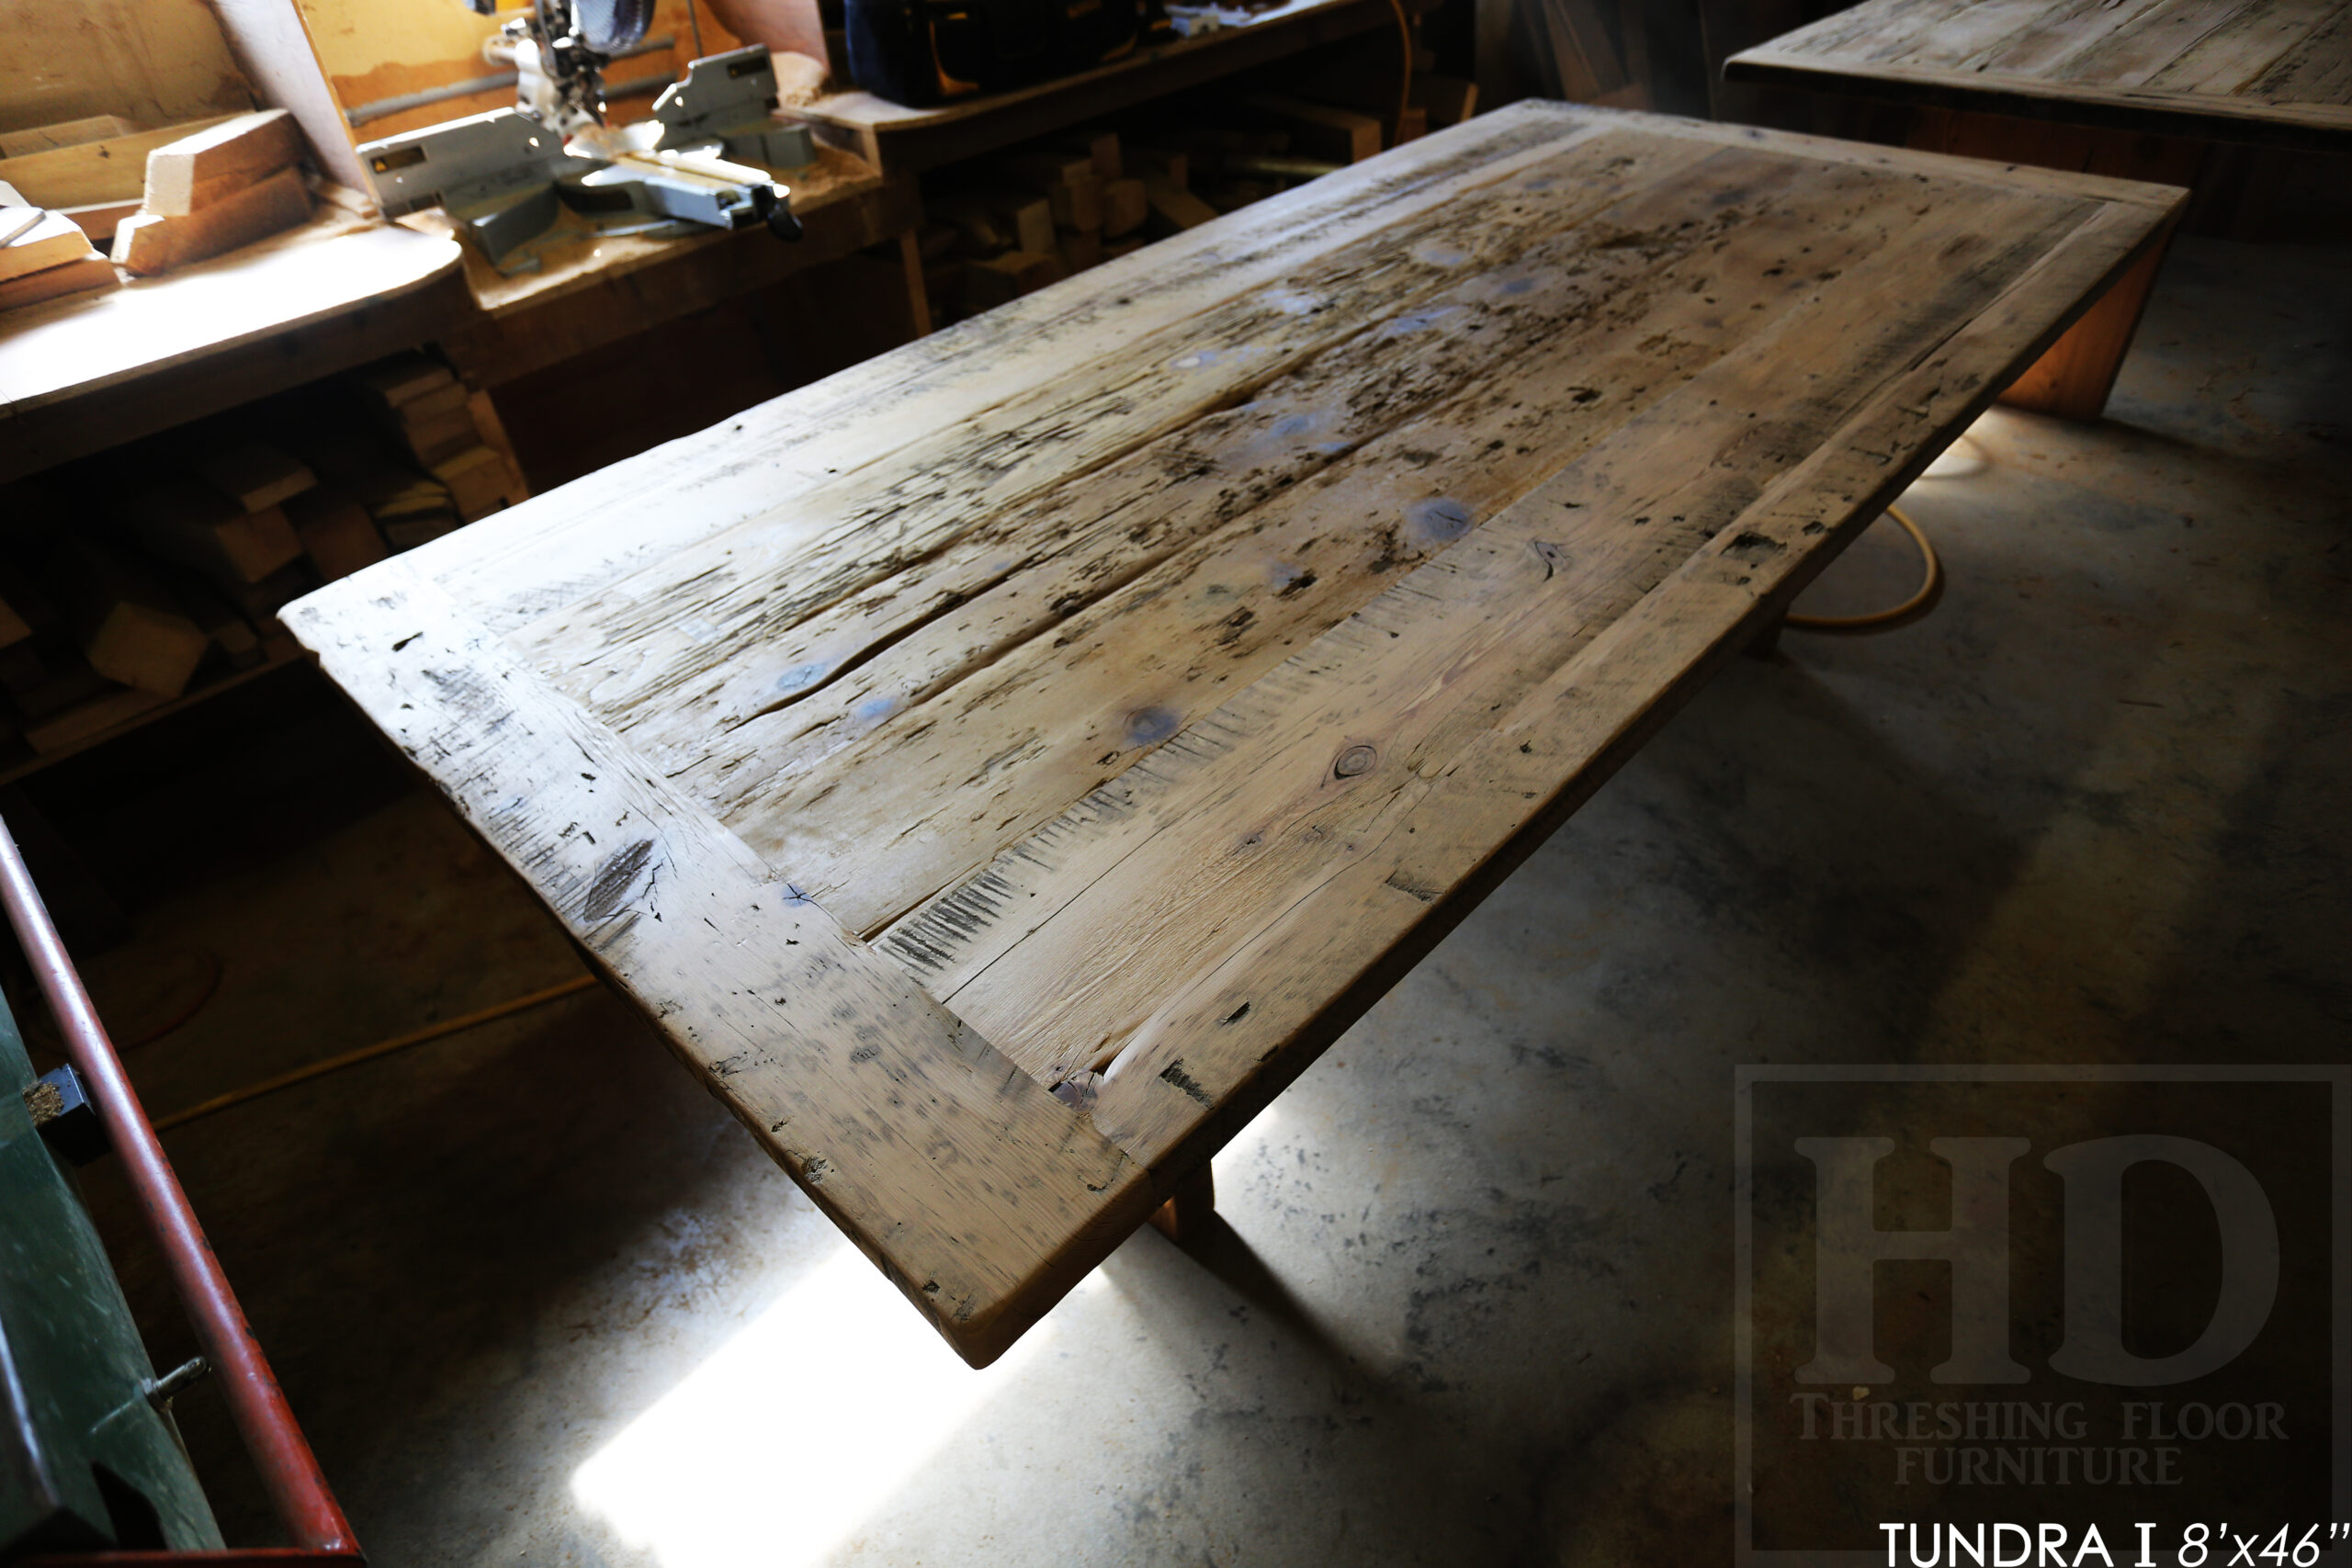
(505, 176)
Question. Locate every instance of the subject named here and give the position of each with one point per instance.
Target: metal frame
(306, 1509)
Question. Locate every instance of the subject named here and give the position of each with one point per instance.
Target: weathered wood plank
(982, 1196)
(701, 626)
(1454, 824)
(876, 829)
(1047, 950)
(564, 546)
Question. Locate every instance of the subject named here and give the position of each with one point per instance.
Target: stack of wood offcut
(456, 466)
(158, 570)
(1010, 224)
(224, 186)
(44, 255)
(154, 200)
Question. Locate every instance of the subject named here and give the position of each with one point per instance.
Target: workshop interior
(1147, 782)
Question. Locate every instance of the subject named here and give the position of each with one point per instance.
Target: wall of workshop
(150, 61)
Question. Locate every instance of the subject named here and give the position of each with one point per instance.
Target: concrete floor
(537, 1300)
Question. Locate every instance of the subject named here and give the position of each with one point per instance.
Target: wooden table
(999, 769)
(2278, 71)
(89, 371)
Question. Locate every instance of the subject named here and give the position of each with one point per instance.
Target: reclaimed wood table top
(999, 769)
(2267, 70)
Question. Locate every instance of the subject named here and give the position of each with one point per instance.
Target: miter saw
(704, 160)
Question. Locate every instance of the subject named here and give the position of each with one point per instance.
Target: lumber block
(151, 242)
(395, 495)
(1445, 100)
(207, 168)
(113, 169)
(1318, 130)
(336, 533)
(127, 626)
(192, 524)
(1008, 276)
(1125, 206)
(256, 475)
(1022, 220)
(100, 220)
(1099, 148)
(442, 400)
(477, 480)
(441, 437)
(494, 429)
(92, 272)
(979, 232)
(1114, 249)
(52, 240)
(64, 133)
(91, 717)
(1070, 184)
(402, 379)
(1174, 208)
(229, 630)
(1080, 249)
(15, 627)
(1078, 206)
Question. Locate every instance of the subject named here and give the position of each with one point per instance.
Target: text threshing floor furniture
(2136, 89)
(999, 769)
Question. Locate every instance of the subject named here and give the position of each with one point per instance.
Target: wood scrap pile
(74, 192)
(44, 255)
(1010, 223)
(156, 571)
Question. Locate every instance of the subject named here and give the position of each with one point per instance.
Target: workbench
(90, 371)
(999, 769)
(2236, 70)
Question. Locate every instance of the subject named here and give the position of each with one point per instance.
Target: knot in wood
(1354, 760)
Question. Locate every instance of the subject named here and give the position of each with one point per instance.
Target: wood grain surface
(2271, 70)
(1000, 768)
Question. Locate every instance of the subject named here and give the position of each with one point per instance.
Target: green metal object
(85, 1459)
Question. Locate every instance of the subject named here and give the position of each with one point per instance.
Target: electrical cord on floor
(370, 1052)
(1931, 588)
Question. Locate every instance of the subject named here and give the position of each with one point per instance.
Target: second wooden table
(998, 770)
